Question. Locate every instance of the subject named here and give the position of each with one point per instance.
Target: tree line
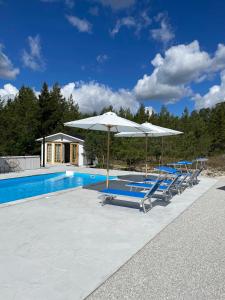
(28, 117)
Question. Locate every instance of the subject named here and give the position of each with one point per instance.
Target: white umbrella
(150, 130)
(109, 122)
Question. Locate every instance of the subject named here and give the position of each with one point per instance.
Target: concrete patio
(64, 245)
(184, 261)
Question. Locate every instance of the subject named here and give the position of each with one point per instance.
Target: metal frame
(192, 178)
(166, 193)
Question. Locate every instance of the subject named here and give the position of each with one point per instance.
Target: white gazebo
(62, 148)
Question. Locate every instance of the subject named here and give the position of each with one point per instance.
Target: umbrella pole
(146, 155)
(107, 179)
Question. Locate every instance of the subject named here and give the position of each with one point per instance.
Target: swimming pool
(24, 187)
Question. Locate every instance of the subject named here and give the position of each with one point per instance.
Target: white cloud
(93, 96)
(216, 94)
(186, 63)
(117, 4)
(124, 22)
(218, 62)
(165, 33)
(101, 58)
(149, 88)
(8, 92)
(137, 23)
(146, 19)
(90, 96)
(33, 58)
(7, 70)
(169, 81)
(82, 25)
(181, 65)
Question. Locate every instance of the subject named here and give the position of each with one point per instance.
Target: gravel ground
(184, 261)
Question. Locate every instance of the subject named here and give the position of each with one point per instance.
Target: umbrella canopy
(150, 130)
(106, 121)
(109, 122)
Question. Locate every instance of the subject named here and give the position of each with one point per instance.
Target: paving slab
(64, 246)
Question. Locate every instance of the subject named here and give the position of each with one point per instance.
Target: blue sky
(119, 52)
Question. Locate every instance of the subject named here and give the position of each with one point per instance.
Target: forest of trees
(28, 117)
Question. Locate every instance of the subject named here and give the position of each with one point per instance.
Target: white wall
(19, 163)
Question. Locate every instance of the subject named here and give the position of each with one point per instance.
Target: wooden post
(146, 155)
(43, 152)
(108, 141)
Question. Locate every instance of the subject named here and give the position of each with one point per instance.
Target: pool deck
(65, 245)
(184, 261)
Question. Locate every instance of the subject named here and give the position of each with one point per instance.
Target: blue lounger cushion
(123, 193)
(180, 163)
(184, 162)
(166, 181)
(147, 186)
(167, 170)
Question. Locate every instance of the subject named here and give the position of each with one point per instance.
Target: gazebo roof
(61, 136)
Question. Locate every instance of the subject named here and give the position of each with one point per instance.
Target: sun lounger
(178, 185)
(192, 178)
(183, 163)
(196, 174)
(142, 197)
(165, 181)
(188, 179)
(165, 189)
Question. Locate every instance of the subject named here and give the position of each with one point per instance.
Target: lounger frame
(167, 193)
(148, 197)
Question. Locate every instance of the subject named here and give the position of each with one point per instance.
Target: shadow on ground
(221, 188)
(134, 205)
(119, 183)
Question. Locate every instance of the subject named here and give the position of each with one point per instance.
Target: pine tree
(19, 118)
(141, 116)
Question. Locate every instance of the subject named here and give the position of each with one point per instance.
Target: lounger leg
(150, 202)
(103, 200)
(143, 204)
(168, 196)
(181, 188)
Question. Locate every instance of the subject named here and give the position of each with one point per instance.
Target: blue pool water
(25, 187)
